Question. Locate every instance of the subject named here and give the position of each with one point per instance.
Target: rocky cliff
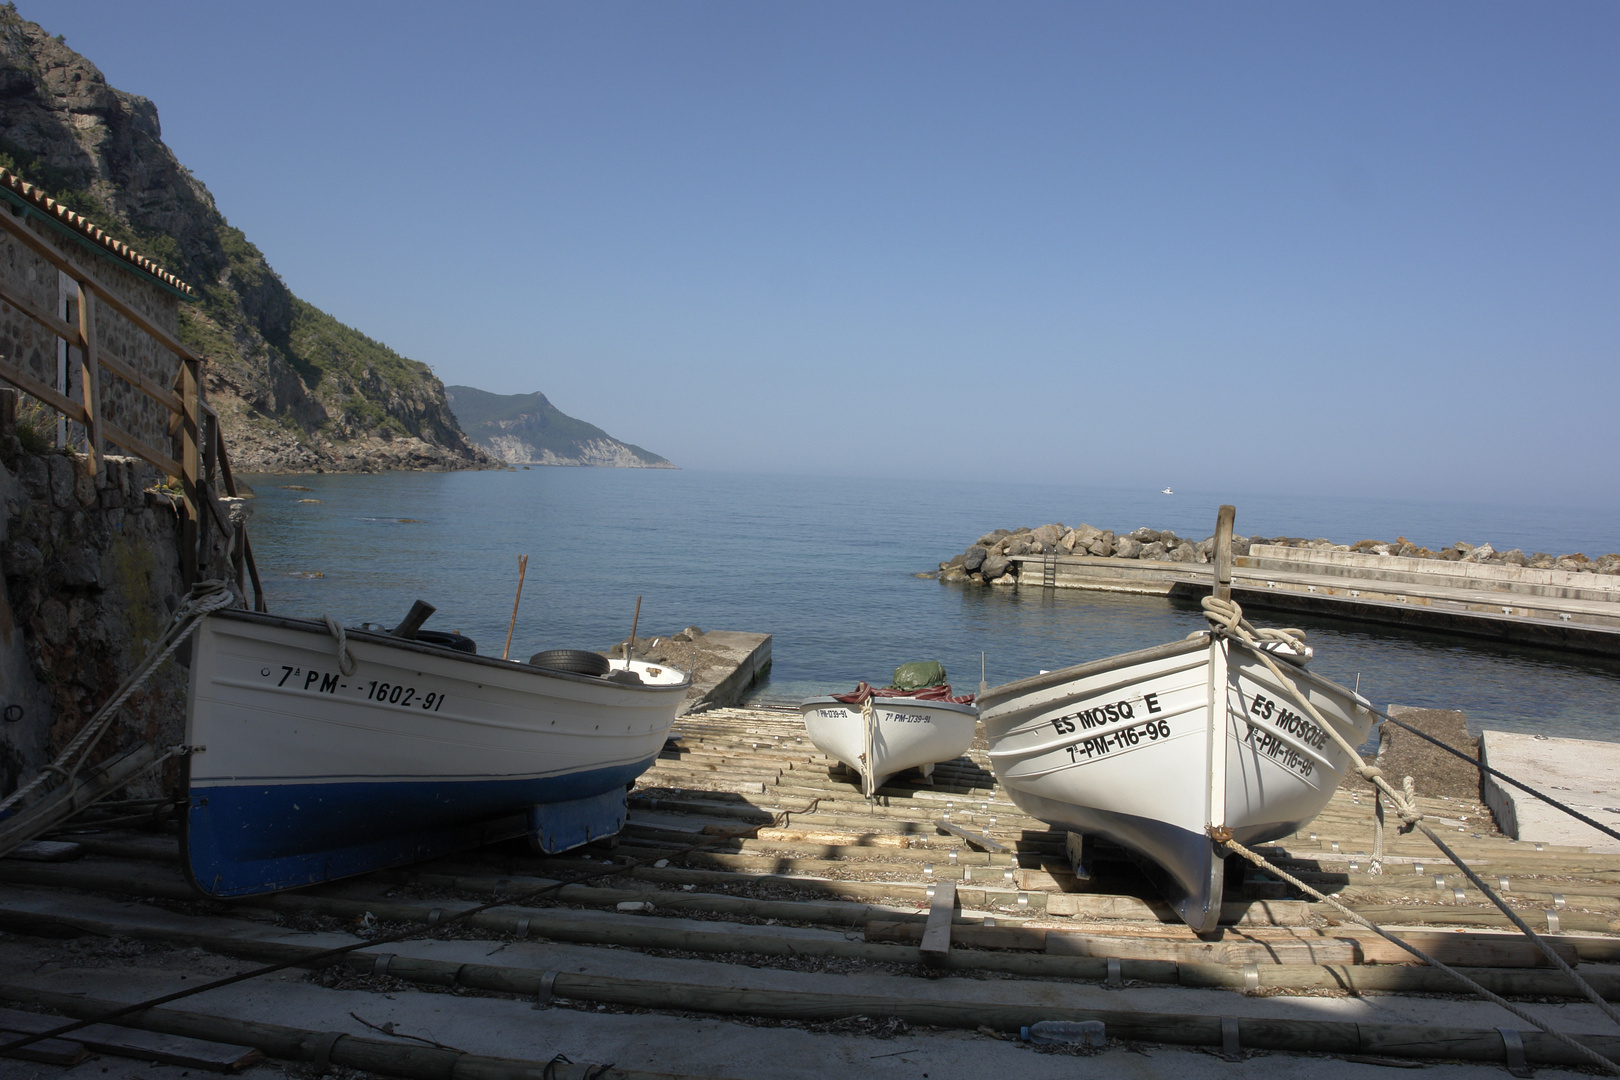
(295, 388)
(527, 429)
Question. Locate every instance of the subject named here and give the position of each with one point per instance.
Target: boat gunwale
(948, 706)
(1052, 679)
(287, 622)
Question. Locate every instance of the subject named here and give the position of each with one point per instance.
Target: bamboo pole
(523, 566)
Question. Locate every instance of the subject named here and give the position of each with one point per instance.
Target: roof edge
(33, 198)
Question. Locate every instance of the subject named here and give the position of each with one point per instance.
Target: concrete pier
(1583, 773)
(1516, 605)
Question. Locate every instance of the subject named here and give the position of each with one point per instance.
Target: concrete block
(1584, 773)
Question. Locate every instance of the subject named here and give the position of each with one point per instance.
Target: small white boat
(1167, 491)
(1156, 749)
(304, 768)
(883, 736)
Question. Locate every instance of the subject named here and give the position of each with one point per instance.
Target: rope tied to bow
(345, 658)
(1226, 620)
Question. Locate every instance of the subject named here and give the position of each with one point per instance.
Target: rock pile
(989, 560)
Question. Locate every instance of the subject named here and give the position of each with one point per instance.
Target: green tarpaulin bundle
(918, 674)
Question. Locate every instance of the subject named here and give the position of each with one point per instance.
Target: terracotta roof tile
(42, 202)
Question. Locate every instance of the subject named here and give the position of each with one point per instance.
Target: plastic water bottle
(1079, 1032)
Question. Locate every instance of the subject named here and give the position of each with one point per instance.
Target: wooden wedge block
(976, 839)
(936, 939)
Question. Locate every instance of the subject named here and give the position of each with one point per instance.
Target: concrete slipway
(760, 919)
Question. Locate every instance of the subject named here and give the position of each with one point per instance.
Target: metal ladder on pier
(1049, 571)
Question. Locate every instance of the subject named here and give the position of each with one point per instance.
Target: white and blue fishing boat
(316, 755)
(1163, 749)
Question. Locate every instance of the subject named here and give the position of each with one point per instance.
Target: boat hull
(300, 773)
(1151, 749)
(908, 733)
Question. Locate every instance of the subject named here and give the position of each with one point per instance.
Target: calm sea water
(828, 567)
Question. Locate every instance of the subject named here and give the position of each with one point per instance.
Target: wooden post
(1223, 552)
(523, 566)
(8, 412)
(90, 377)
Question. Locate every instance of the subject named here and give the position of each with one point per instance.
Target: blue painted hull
(247, 839)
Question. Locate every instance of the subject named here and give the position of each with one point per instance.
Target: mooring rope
(1496, 999)
(1226, 620)
(204, 597)
(868, 773)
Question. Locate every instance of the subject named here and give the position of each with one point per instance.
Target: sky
(1363, 249)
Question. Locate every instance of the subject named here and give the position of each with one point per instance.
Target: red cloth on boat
(863, 691)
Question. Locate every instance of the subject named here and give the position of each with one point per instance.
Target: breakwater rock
(991, 559)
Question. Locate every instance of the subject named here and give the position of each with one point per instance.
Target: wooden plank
(90, 381)
(162, 395)
(87, 280)
(25, 382)
(58, 326)
(91, 786)
(1463, 949)
(1103, 906)
(971, 837)
(1229, 949)
(818, 836)
(74, 411)
(46, 851)
(47, 1051)
(936, 939)
(145, 1045)
(1025, 938)
(121, 438)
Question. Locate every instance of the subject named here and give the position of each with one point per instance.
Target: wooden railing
(198, 450)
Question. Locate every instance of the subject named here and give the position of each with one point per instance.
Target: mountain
(295, 388)
(526, 429)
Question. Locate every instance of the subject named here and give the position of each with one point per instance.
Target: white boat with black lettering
(880, 733)
(316, 754)
(1160, 749)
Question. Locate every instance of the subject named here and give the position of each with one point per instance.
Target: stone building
(90, 558)
(136, 280)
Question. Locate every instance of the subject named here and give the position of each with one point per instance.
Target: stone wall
(89, 573)
(989, 560)
(30, 346)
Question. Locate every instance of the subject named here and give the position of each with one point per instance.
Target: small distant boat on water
(316, 756)
(881, 732)
(1167, 491)
(1159, 749)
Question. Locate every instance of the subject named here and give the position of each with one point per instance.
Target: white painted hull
(1152, 748)
(907, 733)
(303, 773)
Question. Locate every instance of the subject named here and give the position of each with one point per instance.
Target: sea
(830, 568)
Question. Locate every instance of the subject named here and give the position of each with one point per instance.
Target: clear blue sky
(1368, 249)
